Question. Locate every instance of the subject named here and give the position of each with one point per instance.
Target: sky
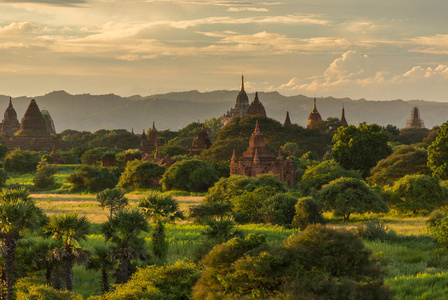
(372, 49)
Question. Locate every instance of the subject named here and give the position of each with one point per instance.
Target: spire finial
(257, 128)
(256, 100)
(314, 106)
(153, 125)
(242, 82)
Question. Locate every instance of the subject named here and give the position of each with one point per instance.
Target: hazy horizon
(379, 50)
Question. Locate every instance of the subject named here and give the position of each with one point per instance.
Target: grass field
(411, 263)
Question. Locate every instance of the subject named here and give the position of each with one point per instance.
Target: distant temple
(314, 118)
(200, 143)
(147, 145)
(256, 108)
(166, 161)
(343, 120)
(257, 159)
(415, 121)
(10, 123)
(241, 106)
(287, 120)
(36, 132)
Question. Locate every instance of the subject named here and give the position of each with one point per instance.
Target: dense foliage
(92, 179)
(189, 175)
(438, 153)
(360, 148)
(140, 175)
(307, 212)
(21, 161)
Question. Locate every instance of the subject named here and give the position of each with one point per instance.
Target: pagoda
(200, 143)
(10, 123)
(343, 120)
(415, 121)
(256, 108)
(257, 159)
(151, 143)
(34, 134)
(241, 105)
(314, 118)
(287, 122)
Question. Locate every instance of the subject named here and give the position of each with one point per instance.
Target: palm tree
(160, 209)
(123, 231)
(70, 229)
(18, 214)
(103, 260)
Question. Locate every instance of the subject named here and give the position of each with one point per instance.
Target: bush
(32, 289)
(278, 209)
(19, 161)
(373, 230)
(93, 157)
(43, 178)
(434, 218)
(3, 178)
(199, 213)
(189, 175)
(168, 282)
(308, 212)
(246, 207)
(92, 179)
(140, 175)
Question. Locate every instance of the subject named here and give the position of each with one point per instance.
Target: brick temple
(200, 143)
(257, 159)
(150, 143)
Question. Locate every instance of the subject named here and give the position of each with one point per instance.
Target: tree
(21, 161)
(409, 136)
(102, 259)
(18, 214)
(114, 199)
(222, 150)
(345, 196)
(160, 209)
(92, 179)
(292, 149)
(140, 174)
(200, 213)
(93, 157)
(70, 229)
(123, 231)
(44, 176)
(438, 154)
(318, 175)
(406, 160)
(189, 175)
(278, 209)
(360, 148)
(419, 193)
(308, 212)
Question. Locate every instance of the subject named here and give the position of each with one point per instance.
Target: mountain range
(176, 110)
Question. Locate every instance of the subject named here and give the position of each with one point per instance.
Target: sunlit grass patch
(420, 286)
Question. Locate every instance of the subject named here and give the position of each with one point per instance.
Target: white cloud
(251, 9)
(435, 44)
(19, 28)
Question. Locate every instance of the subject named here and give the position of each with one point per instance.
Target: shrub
(113, 199)
(308, 212)
(140, 175)
(247, 205)
(43, 177)
(92, 179)
(189, 175)
(21, 161)
(374, 229)
(93, 157)
(278, 209)
(3, 177)
(199, 213)
(434, 218)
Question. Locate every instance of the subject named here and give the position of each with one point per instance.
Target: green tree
(70, 229)
(308, 212)
(160, 209)
(93, 157)
(213, 125)
(102, 259)
(419, 193)
(92, 179)
(406, 160)
(292, 149)
(21, 161)
(201, 212)
(360, 148)
(278, 209)
(345, 196)
(189, 175)
(318, 175)
(123, 231)
(44, 176)
(114, 199)
(222, 150)
(140, 174)
(18, 215)
(438, 154)
(409, 136)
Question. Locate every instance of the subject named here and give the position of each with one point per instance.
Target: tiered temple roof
(314, 118)
(256, 108)
(257, 159)
(152, 142)
(10, 123)
(200, 143)
(415, 121)
(241, 105)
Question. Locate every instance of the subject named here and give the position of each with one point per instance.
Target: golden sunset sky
(346, 48)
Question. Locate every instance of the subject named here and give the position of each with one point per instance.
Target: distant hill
(176, 110)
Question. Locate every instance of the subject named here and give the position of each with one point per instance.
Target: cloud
(47, 2)
(251, 9)
(354, 75)
(19, 28)
(435, 44)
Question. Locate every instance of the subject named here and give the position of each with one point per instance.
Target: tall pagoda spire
(287, 120)
(415, 121)
(242, 82)
(343, 120)
(314, 106)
